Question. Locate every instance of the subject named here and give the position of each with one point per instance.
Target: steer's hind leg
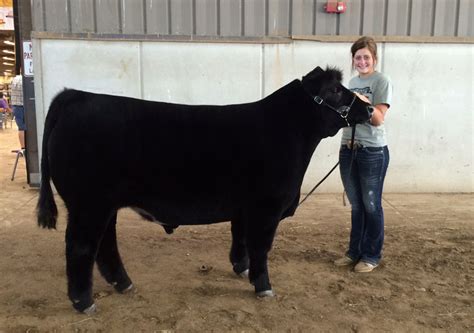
(84, 231)
(238, 252)
(108, 259)
(259, 242)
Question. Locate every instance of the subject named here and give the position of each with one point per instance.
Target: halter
(343, 110)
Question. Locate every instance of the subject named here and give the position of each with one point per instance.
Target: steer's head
(335, 105)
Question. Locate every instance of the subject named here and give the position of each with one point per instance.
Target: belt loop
(356, 145)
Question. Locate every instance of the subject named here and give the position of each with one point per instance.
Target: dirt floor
(184, 283)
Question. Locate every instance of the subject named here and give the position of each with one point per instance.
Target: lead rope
(350, 166)
(333, 168)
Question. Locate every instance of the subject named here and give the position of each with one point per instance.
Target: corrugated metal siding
(133, 16)
(466, 19)
(206, 14)
(255, 18)
(279, 18)
(398, 22)
(158, 17)
(37, 13)
(421, 20)
(181, 17)
(107, 15)
(60, 11)
(350, 21)
(230, 17)
(445, 18)
(373, 17)
(83, 18)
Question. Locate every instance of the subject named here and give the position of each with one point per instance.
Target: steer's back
(131, 151)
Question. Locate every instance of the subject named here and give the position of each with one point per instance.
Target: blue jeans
(19, 113)
(364, 184)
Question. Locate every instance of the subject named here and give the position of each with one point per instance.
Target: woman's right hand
(362, 97)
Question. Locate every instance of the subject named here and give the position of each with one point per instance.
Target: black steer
(183, 165)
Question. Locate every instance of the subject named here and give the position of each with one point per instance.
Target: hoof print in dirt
(204, 269)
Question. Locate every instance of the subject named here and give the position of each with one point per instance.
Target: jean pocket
(374, 150)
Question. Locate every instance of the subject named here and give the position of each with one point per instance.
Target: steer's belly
(184, 215)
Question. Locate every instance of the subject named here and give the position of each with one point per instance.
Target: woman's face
(363, 62)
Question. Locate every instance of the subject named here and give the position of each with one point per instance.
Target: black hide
(182, 164)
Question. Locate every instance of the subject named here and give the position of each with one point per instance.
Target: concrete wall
(430, 124)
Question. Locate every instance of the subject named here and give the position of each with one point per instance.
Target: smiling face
(364, 62)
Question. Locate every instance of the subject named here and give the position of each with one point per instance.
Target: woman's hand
(378, 116)
(362, 97)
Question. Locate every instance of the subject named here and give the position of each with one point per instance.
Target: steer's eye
(336, 90)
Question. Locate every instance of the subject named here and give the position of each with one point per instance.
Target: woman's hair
(363, 42)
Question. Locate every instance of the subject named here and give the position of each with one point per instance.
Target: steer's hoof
(86, 309)
(241, 269)
(123, 288)
(244, 274)
(265, 293)
(90, 310)
(126, 290)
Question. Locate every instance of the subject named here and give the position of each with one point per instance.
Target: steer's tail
(47, 212)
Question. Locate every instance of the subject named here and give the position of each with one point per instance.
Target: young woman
(363, 177)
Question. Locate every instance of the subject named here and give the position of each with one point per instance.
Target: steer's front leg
(259, 242)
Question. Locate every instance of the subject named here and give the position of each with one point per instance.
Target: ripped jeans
(364, 187)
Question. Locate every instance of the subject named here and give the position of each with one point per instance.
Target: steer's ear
(314, 73)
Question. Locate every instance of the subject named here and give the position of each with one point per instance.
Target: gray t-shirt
(378, 89)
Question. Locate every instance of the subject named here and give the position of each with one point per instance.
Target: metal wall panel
(255, 18)
(421, 20)
(325, 24)
(82, 19)
(445, 18)
(57, 15)
(350, 23)
(37, 13)
(181, 17)
(108, 16)
(230, 18)
(206, 17)
(158, 17)
(303, 17)
(466, 18)
(133, 16)
(279, 18)
(373, 17)
(398, 18)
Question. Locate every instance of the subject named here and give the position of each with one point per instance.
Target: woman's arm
(379, 114)
(380, 110)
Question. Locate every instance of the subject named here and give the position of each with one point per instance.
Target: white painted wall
(430, 124)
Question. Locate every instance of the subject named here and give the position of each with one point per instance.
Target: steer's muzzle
(370, 111)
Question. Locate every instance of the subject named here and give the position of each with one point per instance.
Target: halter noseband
(343, 110)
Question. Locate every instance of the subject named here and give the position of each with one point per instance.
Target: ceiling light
(8, 42)
(8, 63)
(8, 51)
(8, 58)
(7, 73)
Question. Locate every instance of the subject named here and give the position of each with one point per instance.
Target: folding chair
(19, 153)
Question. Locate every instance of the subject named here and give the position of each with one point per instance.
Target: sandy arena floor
(424, 284)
